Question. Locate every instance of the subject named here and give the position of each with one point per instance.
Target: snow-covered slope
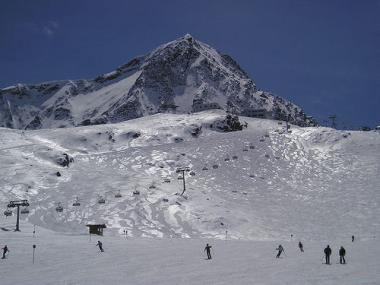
(259, 183)
(74, 260)
(186, 75)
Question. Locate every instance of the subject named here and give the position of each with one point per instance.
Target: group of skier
(281, 250)
(327, 251)
(342, 254)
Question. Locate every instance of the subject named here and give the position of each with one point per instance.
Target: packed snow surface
(260, 185)
(75, 260)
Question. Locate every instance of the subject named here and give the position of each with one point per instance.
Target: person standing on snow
(100, 245)
(352, 238)
(5, 250)
(327, 252)
(280, 250)
(300, 245)
(342, 253)
(208, 251)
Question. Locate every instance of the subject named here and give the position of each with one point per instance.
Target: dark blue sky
(323, 55)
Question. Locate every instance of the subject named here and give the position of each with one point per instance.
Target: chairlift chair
(136, 192)
(7, 213)
(101, 200)
(118, 195)
(76, 203)
(59, 208)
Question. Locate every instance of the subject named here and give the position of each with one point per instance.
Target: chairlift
(205, 168)
(118, 195)
(136, 192)
(76, 203)
(215, 166)
(180, 177)
(101, 200)
(181, 169)
(8, 213)
(227, 159)
(234, 157)
(59, 208)
(245, 149)
(251, 146)
(192, 173)
(167, 180)
(24, 210)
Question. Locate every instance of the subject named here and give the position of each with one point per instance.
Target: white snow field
(74, 259)
(260, 185)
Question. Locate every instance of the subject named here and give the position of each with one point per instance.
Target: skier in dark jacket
(100, 245)
(208, 250)
(327, 252)
(353, 238)
(342, 253)
(280, 250)
(300, 245)
(5, 250)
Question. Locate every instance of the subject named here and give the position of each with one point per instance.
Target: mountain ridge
(184, 75)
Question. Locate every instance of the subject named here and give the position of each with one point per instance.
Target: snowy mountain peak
(181, 76)
(187, 36)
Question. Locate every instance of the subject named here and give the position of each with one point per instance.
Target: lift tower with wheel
(183, 170)
(18, 204)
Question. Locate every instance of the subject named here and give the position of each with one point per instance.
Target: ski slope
(75, 260)
(258, 185)
(317, 183)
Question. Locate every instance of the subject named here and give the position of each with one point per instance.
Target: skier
(352, 238)
(208, 250)
(280, 250)
(327, 252)
(100, 246)
(5, 250)
(300, 245)
(342, 253)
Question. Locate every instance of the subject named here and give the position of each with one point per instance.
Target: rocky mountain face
(181, 76)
